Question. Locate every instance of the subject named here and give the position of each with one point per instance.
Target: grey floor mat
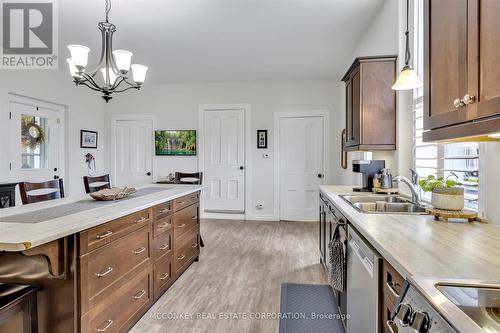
(303, 304)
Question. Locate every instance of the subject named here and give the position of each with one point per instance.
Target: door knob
(320, 175)
(55, 169)
(148, 174)
(56, 177)
(242, 167)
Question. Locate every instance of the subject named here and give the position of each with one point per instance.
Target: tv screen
(175, 142)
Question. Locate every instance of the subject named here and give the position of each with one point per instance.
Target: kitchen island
(88, 256)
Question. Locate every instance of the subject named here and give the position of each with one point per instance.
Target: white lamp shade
(72, 68)
(407, 80)
(139, 73)
(112, 76)
(79, 54)
(122, 59)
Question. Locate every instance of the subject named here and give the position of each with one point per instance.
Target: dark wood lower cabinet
(392, 284)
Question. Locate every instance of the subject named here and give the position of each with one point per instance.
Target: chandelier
(113, 65)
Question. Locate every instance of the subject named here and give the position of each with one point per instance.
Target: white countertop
(417, 245)
(22, 236)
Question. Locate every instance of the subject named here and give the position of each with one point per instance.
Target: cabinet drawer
(162, 225)
(392, 281)
(96, 237)
(162, 276)
(162, 245)
(122, 307)
(106, 265)
(162, 210)
(186, 252)
(185, 201)
(184, 220)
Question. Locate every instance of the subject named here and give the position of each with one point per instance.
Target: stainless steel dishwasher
(363, 277)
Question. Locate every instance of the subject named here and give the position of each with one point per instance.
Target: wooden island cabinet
(105, 277)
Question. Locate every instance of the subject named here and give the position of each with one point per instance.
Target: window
(455, 160)
(34, 143)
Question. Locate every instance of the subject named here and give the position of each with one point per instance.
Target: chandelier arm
(118, 81)
(98, 67)
(112, 58)
(128, 88)
(89, 78)
(91, 87)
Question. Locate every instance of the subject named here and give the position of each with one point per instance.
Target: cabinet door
(446, 59)
(484, 69)
(353, 106)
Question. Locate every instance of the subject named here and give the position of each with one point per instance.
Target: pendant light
(114, 65)
(407, 79)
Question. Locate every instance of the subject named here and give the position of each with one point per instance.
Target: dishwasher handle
(367, 263)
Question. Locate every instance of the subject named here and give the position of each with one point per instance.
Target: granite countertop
(417, 245)
(22, 236)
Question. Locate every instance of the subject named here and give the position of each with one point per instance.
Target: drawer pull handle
(139, 250)
(164, 210)
(182, 225)
(108, 325)
(104, 235)
(106, 272)
(140, 294)
(181, 202)
(163, 225)
(142, 219)
(194, 218)
(181, 257)
(391, 286)
(194, 245)
(164, 247)
(164, 276)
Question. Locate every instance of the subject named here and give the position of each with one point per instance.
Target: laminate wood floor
(241, 269)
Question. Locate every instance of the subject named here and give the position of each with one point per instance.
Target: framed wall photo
(88, 139)
(261, 139)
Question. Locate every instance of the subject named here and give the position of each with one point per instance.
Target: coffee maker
(369, 169)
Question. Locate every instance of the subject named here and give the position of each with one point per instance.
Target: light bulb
(139, 73)
(80, 55)
(122, 60)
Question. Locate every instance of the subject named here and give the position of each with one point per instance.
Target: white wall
(84, 111)
(176, 107)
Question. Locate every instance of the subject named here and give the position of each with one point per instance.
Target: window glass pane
(34, 142)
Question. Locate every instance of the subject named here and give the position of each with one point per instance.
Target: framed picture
(175, 142)
(261, 139)
(88, 139)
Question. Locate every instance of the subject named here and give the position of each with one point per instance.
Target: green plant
(431, 182)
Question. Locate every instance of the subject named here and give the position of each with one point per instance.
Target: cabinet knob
(468, 99)
(458, 103)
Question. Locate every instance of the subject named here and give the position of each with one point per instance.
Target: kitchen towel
(337, 271)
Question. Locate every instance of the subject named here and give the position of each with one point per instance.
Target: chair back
(195, 178)
(37, 192)
(94, 184)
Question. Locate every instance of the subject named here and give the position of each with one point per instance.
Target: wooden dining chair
(195, 178)
(95, 183)
(37, 192)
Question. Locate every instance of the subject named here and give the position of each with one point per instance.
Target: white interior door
(224, 161)
(301, 163)
(35, 142)
(133, 152)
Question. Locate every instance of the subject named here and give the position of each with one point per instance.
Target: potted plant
(447, 194)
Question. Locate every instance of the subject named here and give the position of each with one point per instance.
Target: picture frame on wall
(261, 139)
(88, 139)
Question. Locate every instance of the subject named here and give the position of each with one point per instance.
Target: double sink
(384, 204)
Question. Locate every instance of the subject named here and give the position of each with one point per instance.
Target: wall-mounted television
(175, 142)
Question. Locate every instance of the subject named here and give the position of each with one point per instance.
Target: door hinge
(10, 115)
(10, 166)
(58, 120)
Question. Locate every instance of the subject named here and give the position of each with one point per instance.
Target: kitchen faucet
(415, 195)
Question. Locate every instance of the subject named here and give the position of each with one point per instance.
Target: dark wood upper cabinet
(371, 104)
(462, 72)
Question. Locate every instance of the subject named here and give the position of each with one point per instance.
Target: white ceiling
(224, 40)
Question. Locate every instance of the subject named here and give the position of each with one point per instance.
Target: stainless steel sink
(384, 204)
